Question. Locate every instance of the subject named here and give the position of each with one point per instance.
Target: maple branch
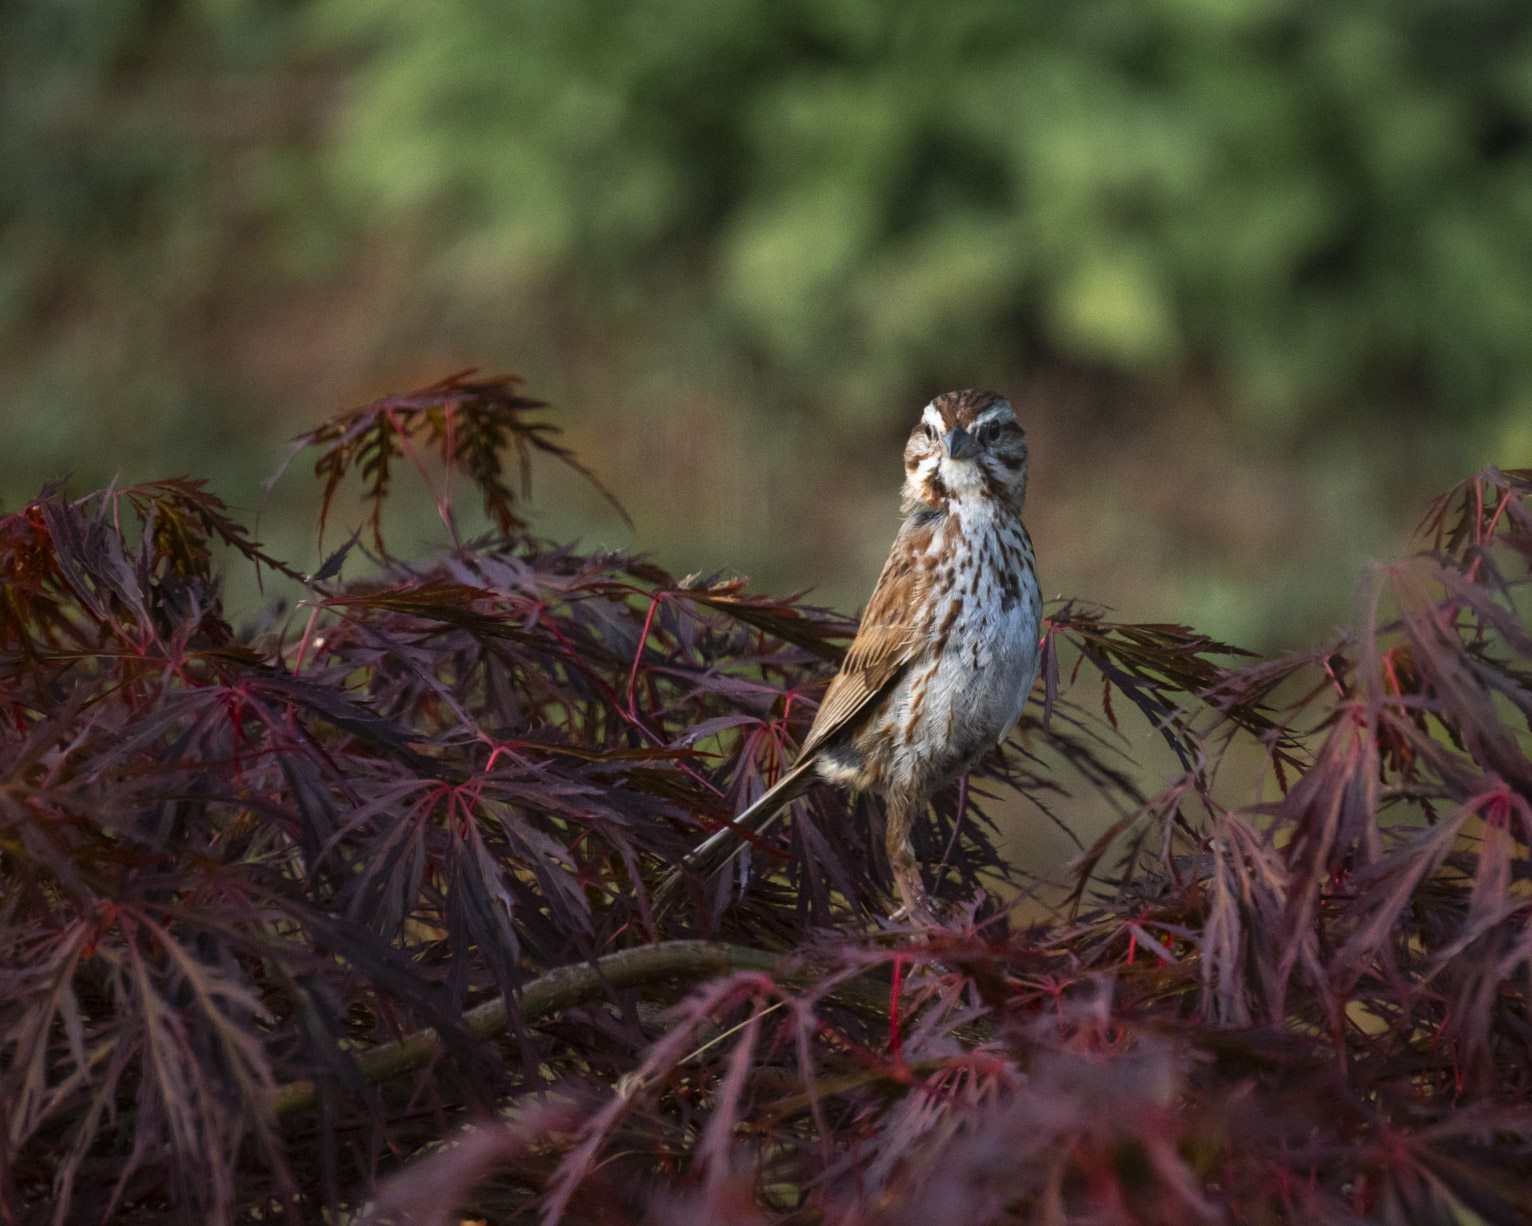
(567, 986)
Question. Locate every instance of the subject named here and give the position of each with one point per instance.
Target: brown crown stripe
(962, 408)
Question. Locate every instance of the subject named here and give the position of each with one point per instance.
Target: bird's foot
(918, 905)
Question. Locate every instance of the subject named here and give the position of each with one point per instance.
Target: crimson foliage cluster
(285, 910)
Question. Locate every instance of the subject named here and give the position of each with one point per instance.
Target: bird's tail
(714, 852)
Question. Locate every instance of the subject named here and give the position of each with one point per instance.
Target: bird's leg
(902, 811)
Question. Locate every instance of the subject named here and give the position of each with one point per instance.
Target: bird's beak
(960, 444)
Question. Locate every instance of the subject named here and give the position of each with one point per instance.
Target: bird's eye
(986, 433)
(930, 430)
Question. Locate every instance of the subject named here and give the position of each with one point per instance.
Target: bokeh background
(1256, 273)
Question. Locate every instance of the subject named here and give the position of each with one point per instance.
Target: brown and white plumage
(947, 650)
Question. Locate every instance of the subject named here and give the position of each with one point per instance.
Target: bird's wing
(886, 642)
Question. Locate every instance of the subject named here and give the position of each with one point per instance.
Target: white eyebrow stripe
(931, 415)
(999, 411)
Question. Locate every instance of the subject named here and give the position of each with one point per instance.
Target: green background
(1258, 276)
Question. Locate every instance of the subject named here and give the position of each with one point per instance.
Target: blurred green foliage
(1277, 255)
(119, 219)
(1317, 205)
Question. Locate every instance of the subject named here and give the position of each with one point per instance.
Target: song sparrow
(947, 651)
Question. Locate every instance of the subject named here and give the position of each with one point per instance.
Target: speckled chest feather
(970, 581)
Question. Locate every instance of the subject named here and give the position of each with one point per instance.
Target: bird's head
(966, 448)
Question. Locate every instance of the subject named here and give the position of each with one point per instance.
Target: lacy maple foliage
(283, 911)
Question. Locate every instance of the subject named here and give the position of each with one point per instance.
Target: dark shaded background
(1258, 276)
